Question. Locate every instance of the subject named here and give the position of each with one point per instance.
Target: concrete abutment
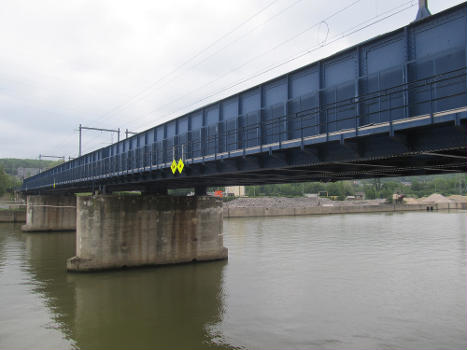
(116, 231)
(50, 213)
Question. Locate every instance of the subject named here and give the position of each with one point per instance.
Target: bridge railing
(316, 120)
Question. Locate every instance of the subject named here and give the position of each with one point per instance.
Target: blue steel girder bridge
(394, 105)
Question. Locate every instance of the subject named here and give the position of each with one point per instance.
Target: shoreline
(12, 215)
(241, 212)
(19, 216)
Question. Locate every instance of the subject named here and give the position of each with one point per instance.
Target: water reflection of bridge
(163, 307)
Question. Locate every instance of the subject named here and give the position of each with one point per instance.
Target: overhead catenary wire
(199, 53)
(254, 58)
(349, 32)
(99, 142)
(217, 51)
(317, 24)
(352, 30)
(159, 86)
(145, 94)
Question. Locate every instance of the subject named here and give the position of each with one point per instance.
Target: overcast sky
(135, 64)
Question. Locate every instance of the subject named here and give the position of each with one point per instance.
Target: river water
(359, 281)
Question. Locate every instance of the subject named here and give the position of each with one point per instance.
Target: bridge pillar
(50, 213)
(117, 231)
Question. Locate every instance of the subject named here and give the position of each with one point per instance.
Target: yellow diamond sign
(180, 165)
(174, 166)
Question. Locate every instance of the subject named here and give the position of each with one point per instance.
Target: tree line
(9, 168)
(11, 165)
(7, 182)
(416, 186)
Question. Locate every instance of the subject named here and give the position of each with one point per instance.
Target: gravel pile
(305, 202)
(297, 202)
(436, 198)
(458, 198)
(410, 200)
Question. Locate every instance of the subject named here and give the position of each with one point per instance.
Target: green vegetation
(9, 169)
(7, 182)
(11, 165)
(416, 186)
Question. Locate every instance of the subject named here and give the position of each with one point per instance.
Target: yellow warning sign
(180, 165)
(173, 166)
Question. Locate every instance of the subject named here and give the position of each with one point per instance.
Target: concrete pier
(116, 231)
(50, 213)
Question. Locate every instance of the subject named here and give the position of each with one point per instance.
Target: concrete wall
(50, 213)
(12, 216)
(321, 210)
(118, 231)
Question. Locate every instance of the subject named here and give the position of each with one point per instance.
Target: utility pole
(79, 153)
(117, 131)
(128, 132)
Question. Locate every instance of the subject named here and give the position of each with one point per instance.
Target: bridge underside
(439, 147)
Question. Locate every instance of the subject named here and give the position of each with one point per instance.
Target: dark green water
(371, 281)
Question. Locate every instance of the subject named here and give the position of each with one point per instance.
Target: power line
(349, 32)
(129, 133)
(145, 94)
(190, 59)
(272, 67)
(145, 91)
(117, 131)
(262, 54)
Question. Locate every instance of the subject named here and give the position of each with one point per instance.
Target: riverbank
(282, 206)
(12, 215)
(277, 206)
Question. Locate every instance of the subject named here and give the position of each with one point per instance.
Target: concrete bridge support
(116, 231)
(50, 213)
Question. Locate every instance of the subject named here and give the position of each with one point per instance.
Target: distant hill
(11, 165)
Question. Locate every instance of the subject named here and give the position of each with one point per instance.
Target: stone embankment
(12, 215)
(280, 206)
(12, 211)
